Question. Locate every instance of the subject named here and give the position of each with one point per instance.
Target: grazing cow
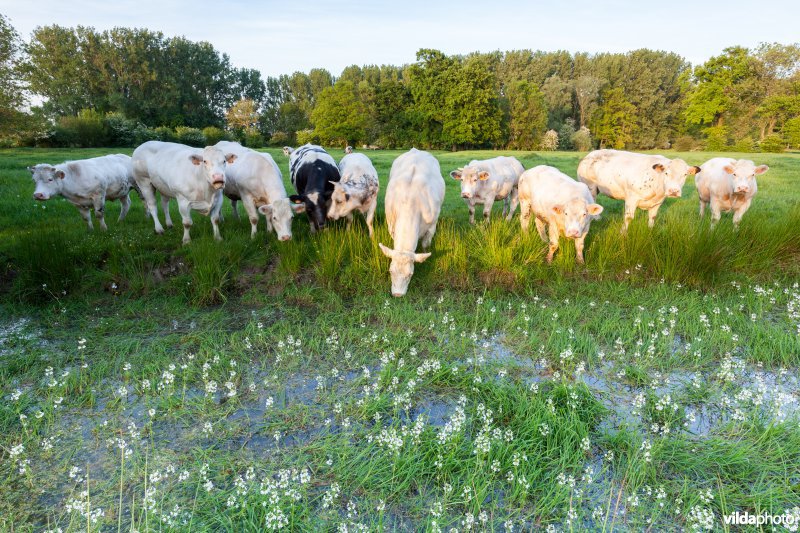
(348, 149)
(555, 200)
(414, 199)
(483, 182)
(256, 180)
(194, 177)
(727, 185)
(642, 180)
(313, 172)
(87, 184)
(356, 191)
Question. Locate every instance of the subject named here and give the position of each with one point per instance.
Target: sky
(284, 37)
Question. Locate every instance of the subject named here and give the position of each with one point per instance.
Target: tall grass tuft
(214, 266)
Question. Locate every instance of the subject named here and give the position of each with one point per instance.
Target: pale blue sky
(282, 37)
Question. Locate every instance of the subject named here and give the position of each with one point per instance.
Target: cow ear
(419, 258)
(594, 209)
(483, 175)
(287, 150)
(334, 183)
(729, 169)
(456, 174)
(388, 252)
(299, 208)
(296, 199)
(760, 169)
(60, 174)
(230, 158)
(694, 170)
(265, 210)
(196, 159)
(558, 209)
(658, 167)
(31, 170)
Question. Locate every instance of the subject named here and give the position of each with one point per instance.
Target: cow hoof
(169, 226)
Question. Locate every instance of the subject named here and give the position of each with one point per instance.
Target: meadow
(263, 385)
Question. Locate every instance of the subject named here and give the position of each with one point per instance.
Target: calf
(313, 172)
(87, 184)
(555, 200)
(356, 191)
(643, 181)
(256, 180)
(727, 185)
(414, 199)
(483, 182)
(194, 177)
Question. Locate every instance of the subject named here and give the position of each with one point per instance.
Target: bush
(549, 140)
(686, 143)
(745, 145)
(253, 139)
(716, 139)
(582, 139)
(190, 136)
(772, 143)
(307, 136)
(214, 135)
(791, 132)
(279, 138)
(85, 130)
(164, 133)
(565, 134)
(122, 131)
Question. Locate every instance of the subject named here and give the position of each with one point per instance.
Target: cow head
(315, 206)
(402, 268)
(342, 202)
(48, 181)
(577, 215)
(674, 174)
(287, 150)
(348, 149)
(279, 213)
(213, 161)
(471, 179)
(743, 173)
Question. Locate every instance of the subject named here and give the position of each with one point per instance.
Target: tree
(528, 115)
(242, 116)
(614, 120)
(339, 116)
(11, 92)
(587, 88)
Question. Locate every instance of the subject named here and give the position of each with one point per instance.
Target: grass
(256, 384)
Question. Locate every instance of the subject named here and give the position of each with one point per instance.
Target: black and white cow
(313, 172)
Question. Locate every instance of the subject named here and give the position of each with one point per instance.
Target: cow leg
(371, 216)
(471, 206)
(630, 212)
(525, 213)
(165, 209)
(703, 208)
(100, 211)
(125, 202)
(579, 249)
(651, 215)
(739, 213)
(513, 201)
(505, 207)
(252, 214)
(149, 196)
(540, 227)
(553, 230)
(86, 214)
(214, 212)
(235, 208)
(428, 237)
(487, 209)
(349, 219)
(186, 218)
(716, 212)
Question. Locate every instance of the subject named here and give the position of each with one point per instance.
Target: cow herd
(198, 179)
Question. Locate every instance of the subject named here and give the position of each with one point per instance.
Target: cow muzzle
(285, 238)
(40, 196)
(218, 181)
(466, 195)
(674, 193)
(742, 189)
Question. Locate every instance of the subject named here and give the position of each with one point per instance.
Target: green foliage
(744, 145)
(165, 133)
(614, 123)
(565, 134)
(773, 144)
(549, 140)
(253, 139)
(340, 117)
(716, 138)
(686, 143)
(307, 136)
(87, 129)
(791, 132)
(190, 136)
(279, 138)
(527, 112)
(582, 140)
(213, 135)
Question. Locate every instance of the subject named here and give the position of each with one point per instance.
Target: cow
(727, 185)
(256, 180)
(87, 184)
(194, 177)
(643, 181)
(356, 191)
(313, 172)
(483, 182)
(414, 199)
(559, 202)
(348, 150)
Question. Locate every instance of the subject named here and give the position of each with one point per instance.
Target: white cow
(555, 200)
(414, 199)
(356, 191)
(483, 182)
(727, 185)
(194, 177)
(255, 179)
(643, 181)
(87, 184)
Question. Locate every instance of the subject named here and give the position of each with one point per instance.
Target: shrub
(121, 131)
(791, 132)
(279, 138)
(85, 130)
(716, 138)
(307, 136)
(190, 136)
(253, 139)
(686, 143)
(582, 139)
(549, 140)
(565, 134)
(772, 143)
(744, 144)
(214, 135)
(165, 133)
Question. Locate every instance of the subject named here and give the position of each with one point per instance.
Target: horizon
(333, 47)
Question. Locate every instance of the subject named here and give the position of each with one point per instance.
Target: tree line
(79, 86)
